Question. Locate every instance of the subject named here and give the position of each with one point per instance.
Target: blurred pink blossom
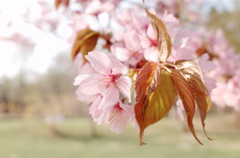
(129, 50)
(96, 7)
(116, 116)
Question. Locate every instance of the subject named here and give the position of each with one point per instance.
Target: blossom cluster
(103, 88)
(105, 82)
(126, 41)
(227, 68)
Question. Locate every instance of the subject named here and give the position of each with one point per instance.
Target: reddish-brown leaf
(201, 96)
(162, 36)
(185, 93)
(155, 95)
(63, 2)
(85, 41)
(188, 66)
(57, 3)
(193, 74)
(144, 79)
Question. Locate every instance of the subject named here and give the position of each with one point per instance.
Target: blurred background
(40, 115)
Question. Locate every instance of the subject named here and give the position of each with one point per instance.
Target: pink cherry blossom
(149, 43)
(132, 21)
(217, 95)
(128, 51)
(116, 116)
(86, 98)
(232, 91)
(96, 7)
(182, 51)
(181, 44)
(171, 6)
(109, 78)
(206, 66)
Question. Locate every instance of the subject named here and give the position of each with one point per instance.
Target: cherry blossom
(96, 7)
(103, 81)
(117, 116)
(182, 48)
(108, 79)
(206, 66)
(130, 50)
(150, 44)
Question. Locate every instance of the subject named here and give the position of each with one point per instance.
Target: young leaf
(58, 2)
(155, 96)
(147, 80)
(162, 36)
(185, 93)
(201, 96)
(192, 72)
(188, 66)
(85, 42)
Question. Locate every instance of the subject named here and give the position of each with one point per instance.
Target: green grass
(166, 139)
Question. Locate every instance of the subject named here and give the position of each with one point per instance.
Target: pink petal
(84, 97)
(92, 84)
(181, 54)
(172, 31)
(135, 58)
(96, 114)
(118, 126)
(119, 35)
(107, 7)
(93, 7)
(132, 41)
(210, 83)
(94, 106)
(217, 94)
(134, 123)
(79, 79)
(185, 54)
(117, 66)
(117, 118)
(129, 109)
(86, 69)
(99, 61)
(151, 54)
(151, 33)
(140, 23)
(122, 53)
(110, 97)
(124, 85)
(144, 41)
(204, 64)
(116, 45)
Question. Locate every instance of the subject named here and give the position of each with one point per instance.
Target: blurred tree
(48, 93)
(229, 22)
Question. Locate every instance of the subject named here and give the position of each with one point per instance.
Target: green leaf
(155, 96)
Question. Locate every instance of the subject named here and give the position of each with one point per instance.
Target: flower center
(110, 78)
(116, 113)
(154, 42)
